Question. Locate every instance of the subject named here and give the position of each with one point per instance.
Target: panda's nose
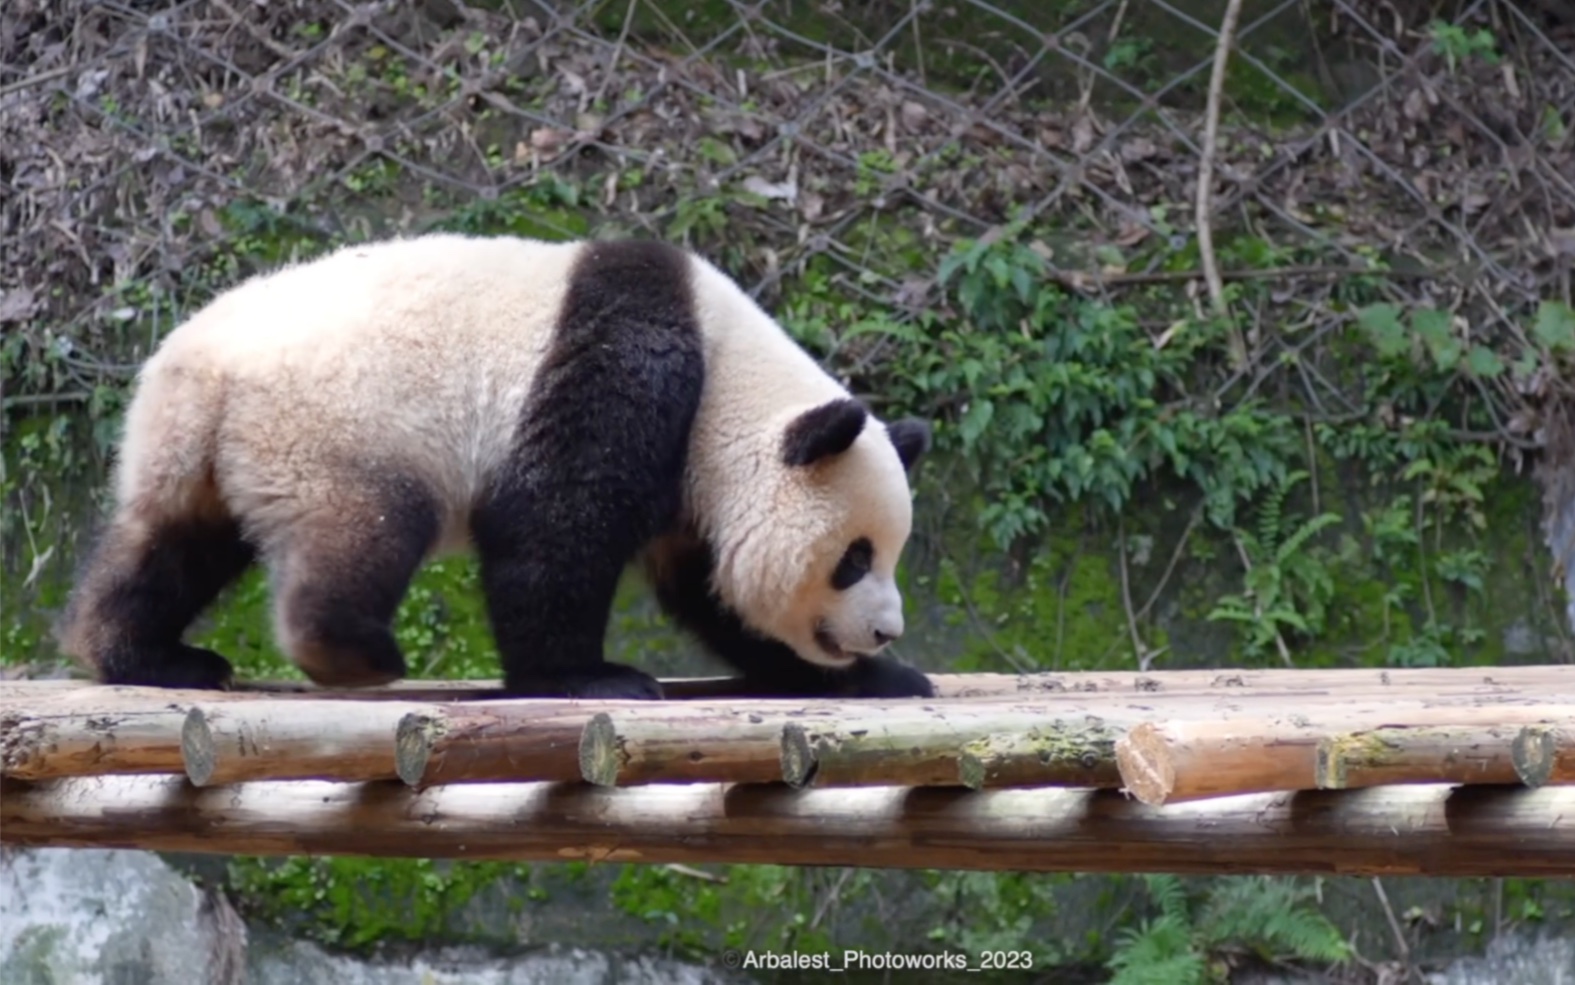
(882, 637)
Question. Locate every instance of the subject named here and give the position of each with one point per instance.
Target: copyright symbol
(731, 959)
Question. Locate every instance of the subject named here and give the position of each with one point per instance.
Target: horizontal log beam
(1412, 830)
(1174, 761)
(1531, 677)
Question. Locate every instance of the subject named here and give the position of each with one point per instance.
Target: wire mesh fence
(141, 141)
(1190, 158)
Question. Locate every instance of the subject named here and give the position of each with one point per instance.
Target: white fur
(277, 381)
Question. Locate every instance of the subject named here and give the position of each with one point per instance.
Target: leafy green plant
(1185, 944)
(1286, 587)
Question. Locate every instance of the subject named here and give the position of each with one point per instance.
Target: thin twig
(1139, 651)
(617, 53)
(1394, 927)
(1211, 126)
(678, 868)
(39, 79)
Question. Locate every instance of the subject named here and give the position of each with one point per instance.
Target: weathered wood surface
(86, 730)
(1173, 761)
(95, 730)
(1531, 678)
(1545, 754)
(273, 739)
(485, 741)
(1424, 830)
(1416, 754)
(629, 747)
(923, 743)
(1072, 755)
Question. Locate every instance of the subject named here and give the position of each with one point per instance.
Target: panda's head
(820, 565)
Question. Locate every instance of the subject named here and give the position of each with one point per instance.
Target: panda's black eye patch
(855, 564)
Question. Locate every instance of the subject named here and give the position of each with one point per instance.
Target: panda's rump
(413, 356)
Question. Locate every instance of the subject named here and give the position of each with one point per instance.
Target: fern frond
(1160, 952)
(1302, 535)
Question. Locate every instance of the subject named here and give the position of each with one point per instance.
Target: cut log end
(798, 756)
(196, 748)
(413, 741)
(1533, 753)
(600, 756)
(1145, 764)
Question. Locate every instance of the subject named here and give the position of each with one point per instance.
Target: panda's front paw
(887, 677)
(608, 682)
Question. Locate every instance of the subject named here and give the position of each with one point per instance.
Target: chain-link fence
(140, 140)
(1285, 161)
(152, 152)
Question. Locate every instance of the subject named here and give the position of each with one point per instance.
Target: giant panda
(564, 410)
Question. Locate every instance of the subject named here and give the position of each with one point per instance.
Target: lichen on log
(1065, 754)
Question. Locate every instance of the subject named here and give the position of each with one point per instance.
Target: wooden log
(1422, 830)
(1171, 762)
(921, 743)
(1544, 754)
(87, 731)
(627, 748)
(1427, 754)
(521, 740)
(1533, 678)
(107, 730)
(1072, 756)
(273, 739)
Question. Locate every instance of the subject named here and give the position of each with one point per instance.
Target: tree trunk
(1167, 762)
(1424, 830)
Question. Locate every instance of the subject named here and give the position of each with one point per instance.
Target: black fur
(136, 594)
(597, 473)
(341, 574)
(827, 430)
(682, 585)
(911, 437)
(855, 564)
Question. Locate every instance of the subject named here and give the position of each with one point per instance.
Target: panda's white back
(416, 352)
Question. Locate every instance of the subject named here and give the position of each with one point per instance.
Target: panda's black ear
(911, 437)
(827, 430)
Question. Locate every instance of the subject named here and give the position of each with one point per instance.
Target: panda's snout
(887, 630)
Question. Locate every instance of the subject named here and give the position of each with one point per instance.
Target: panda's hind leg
(148, 576)
(339, 572)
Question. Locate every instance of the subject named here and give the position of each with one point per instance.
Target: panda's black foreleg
(143, 583)
(680, 574)
(597, 471)
(554, 539)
